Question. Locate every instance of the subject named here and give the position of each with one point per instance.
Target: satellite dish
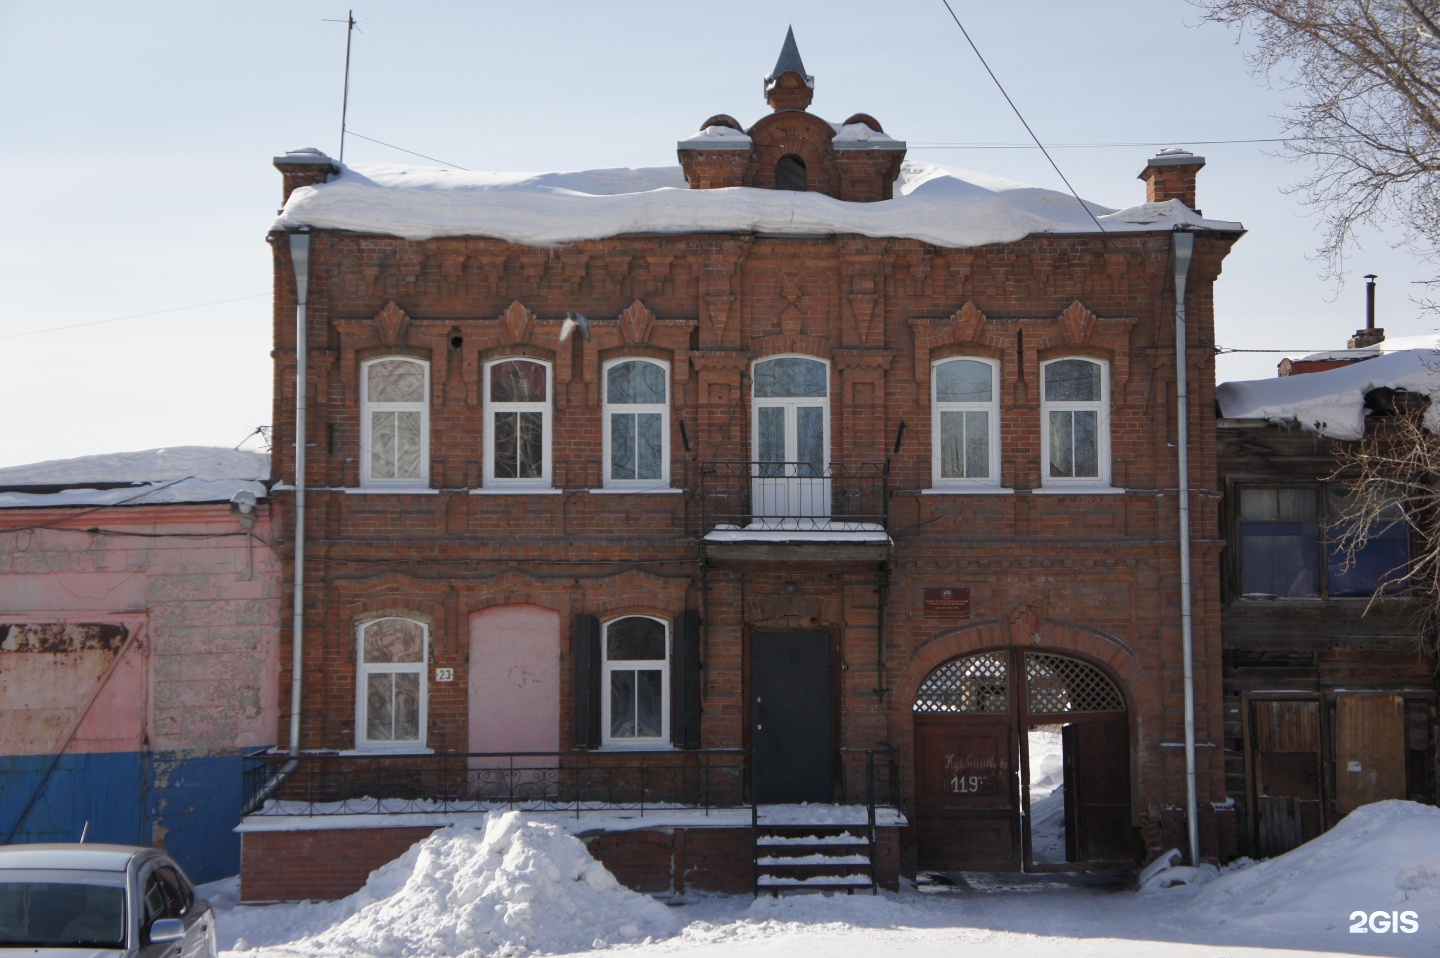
(574, 321)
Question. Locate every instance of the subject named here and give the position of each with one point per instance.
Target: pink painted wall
(515, 679)
(203, 670)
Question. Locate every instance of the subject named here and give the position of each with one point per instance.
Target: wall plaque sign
(947, 603)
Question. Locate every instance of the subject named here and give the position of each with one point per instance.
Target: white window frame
(362, 672)
(367, 407)
(992, 411)
(1102, 429)
(607, 668)
(547, 423)
(662, 408)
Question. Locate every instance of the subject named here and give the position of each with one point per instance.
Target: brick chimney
(1170, 175)
(789, 87)
(306, 166)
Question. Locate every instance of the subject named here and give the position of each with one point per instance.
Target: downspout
(300, 261)
(1183, 245)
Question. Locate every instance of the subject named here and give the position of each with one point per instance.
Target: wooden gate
(970, 777)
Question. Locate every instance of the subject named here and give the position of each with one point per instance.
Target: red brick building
(843, 477)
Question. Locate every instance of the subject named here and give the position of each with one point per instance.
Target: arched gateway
(1022, 757)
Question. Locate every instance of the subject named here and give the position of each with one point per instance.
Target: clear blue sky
(137, 143)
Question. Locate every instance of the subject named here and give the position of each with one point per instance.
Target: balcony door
(791, 439)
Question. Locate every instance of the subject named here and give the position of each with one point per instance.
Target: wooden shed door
(1285, 773)
(1369, 750)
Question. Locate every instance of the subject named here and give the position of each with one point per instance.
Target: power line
(403, 150)
(943, 145)
(116, 319)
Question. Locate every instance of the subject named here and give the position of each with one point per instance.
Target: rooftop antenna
(350, 29)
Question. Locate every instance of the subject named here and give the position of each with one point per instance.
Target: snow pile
(1332, 403)
(1047, 794)
(148, 477)
(1381, 857)
(518, 887)
(936, 204)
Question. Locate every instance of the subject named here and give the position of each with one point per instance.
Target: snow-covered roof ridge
(943, 205)
(144, 477)
(1332, 403)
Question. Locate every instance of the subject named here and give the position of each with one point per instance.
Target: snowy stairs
(813, 858)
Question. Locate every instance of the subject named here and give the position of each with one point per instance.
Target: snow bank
(1332, 403)
(937, 204)
(517, 887)
(148, 477)
(1381, 857)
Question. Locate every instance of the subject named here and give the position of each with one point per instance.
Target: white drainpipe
(1183, 245)
(300, 260)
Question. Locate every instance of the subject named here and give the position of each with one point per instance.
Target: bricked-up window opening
(1290, 545)
(790, 174)
(391, 692)
(517, 423)
(1058, 683)
(965, 435)
(637, 424)
(975, 683)
(395, 423)
(635, 680)
(1076, 421)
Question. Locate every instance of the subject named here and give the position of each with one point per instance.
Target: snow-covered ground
(1047, 795)
(529, 888)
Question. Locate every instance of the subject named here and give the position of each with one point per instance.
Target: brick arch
(799, 344)
(802, 134)
(1116, 659)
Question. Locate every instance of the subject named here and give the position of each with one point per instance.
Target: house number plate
(444, 675)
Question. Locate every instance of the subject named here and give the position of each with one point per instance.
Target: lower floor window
(391, 700)
(636, 690)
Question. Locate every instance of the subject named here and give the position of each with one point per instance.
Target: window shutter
(685, 680)
(586, 634)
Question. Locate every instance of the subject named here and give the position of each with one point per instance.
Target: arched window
(635, 696)
(1076, 422)
(964, 421)
(391, 692)
(790, 173)
(517, 423)
(637, 423)
(395, 423)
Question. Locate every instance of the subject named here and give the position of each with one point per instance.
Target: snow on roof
(936, 204)
(148, 477)
(1332, 403)
(1395, 344)
(716, 137)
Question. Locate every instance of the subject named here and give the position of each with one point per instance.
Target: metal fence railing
(751, 495)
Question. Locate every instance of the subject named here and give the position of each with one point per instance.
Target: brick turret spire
(789, 87)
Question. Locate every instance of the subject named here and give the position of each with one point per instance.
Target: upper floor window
(964, 423)
(1076, 422)
(637, 423)
(391, 691)
(517, 422)
(395, 422)
(636, 690)
(1291, 545)
(790, 173)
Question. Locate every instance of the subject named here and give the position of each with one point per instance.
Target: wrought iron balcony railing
(750, 495)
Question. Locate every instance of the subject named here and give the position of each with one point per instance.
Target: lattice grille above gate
(976, 683)
(1057, 683)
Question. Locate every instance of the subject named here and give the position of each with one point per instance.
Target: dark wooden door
(1369, 750)
(791, 717)
(1097, 790)
(1285, 783)
(967, 792)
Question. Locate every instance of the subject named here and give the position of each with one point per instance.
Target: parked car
(79, 901)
